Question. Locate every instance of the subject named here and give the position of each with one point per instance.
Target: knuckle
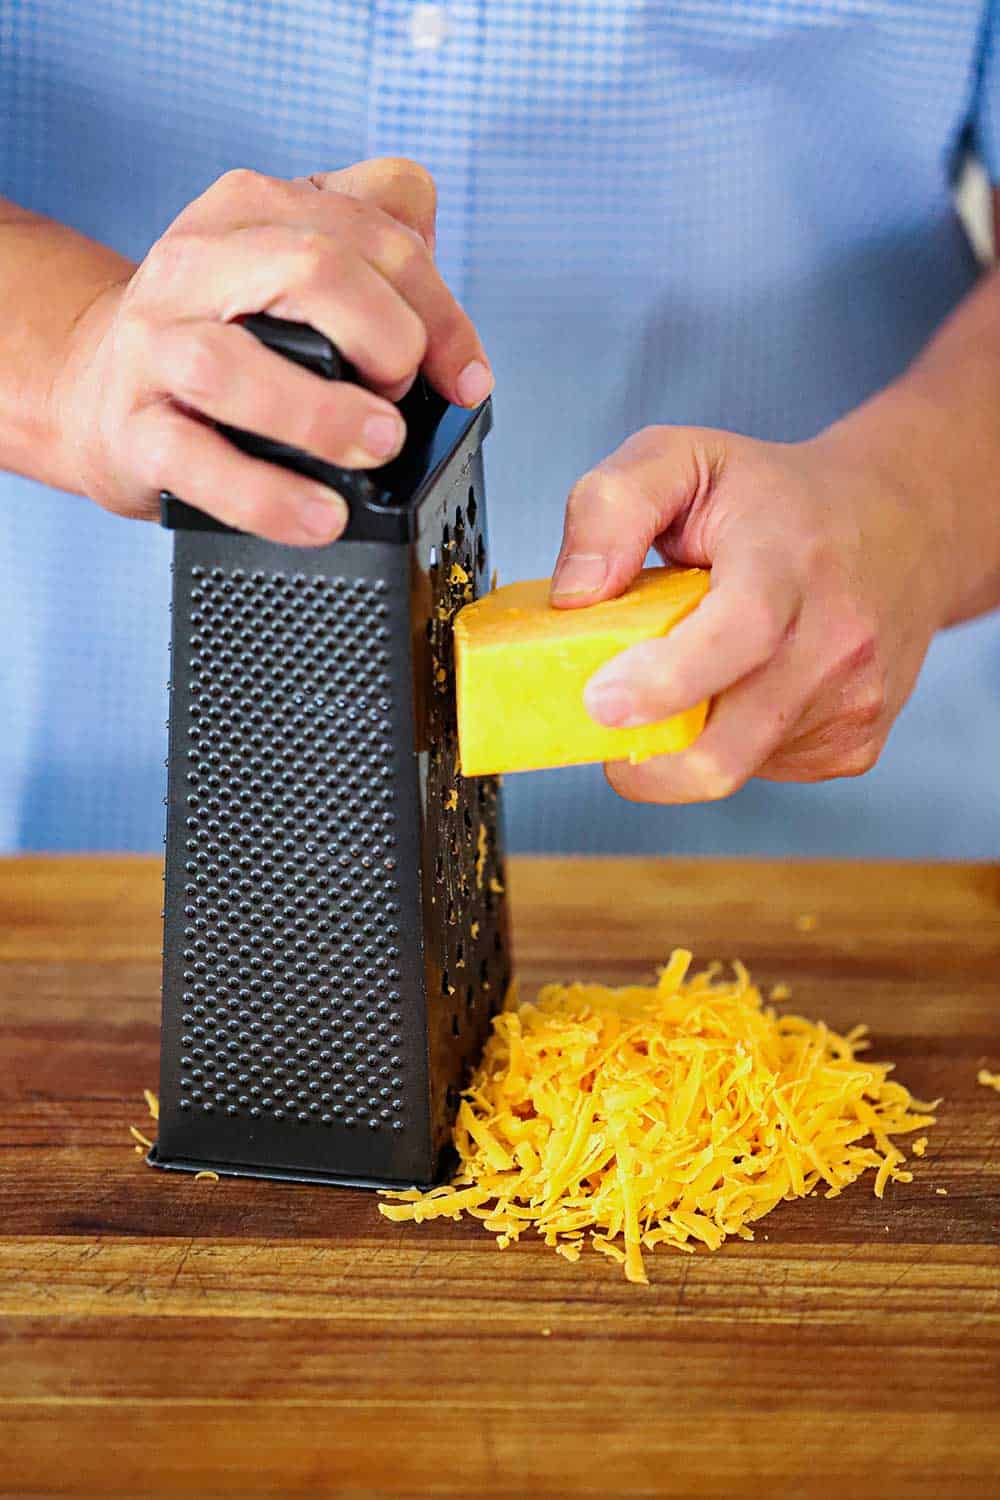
(651, 439)
(451, 324)
(399, 250)
(415, 172)
(230, 196)
(612, 491)
(724, 785)
(713, 778)
(860, 760)
(404, 352)
(239, 183)
(578, 500)
(412, 174)
(324, 426)
(314, 259)
(869, 706)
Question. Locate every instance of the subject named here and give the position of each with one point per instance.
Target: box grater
(335, 924)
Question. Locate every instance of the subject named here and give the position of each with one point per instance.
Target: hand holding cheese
(522, 667)
(832, 567)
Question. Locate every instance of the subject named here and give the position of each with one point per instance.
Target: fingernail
(323, 514)
(382, 435)
(474, 384)
(579, 573)
(612, 702)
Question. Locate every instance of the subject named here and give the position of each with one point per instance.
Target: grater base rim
(290, 1174)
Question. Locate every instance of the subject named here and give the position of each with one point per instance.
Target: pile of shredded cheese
(671, 1115)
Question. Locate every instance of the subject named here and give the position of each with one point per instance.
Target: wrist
(52, 278)
(897, 447)
(75, 396)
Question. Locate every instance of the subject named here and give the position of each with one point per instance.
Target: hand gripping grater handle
(377, 498)
(335, 923)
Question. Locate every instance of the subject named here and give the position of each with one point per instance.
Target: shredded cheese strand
(677, 1114)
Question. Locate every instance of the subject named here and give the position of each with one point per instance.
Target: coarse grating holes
(465, 872)
(291, 894)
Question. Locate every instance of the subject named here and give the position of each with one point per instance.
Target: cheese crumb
(676, 1114)
(941, 1192)
(482, 850)
(988, 1080)
(206, 1177)
(919, 1146)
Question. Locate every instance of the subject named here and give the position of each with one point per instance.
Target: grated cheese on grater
(667, 1115)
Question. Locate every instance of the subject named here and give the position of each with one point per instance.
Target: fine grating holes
(276, 1040)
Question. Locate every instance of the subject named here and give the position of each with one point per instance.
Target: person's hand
(828, 582)
(161, 356)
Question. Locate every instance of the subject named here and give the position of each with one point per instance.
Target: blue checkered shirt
(725, 212)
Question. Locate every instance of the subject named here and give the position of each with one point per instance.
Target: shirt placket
(424, 85)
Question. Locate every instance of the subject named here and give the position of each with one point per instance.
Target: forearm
(935, 435)
(51, 278)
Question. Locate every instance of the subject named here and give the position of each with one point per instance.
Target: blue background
(730, 214)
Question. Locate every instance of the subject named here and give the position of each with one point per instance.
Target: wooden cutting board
(166, 1337)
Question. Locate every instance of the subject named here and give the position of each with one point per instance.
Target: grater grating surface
(291, 896)
(463, 870)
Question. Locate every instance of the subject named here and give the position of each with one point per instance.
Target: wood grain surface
(161, 1337)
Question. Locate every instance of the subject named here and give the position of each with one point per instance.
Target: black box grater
(335, 924)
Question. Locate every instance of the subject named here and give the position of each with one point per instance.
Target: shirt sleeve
(986, 105)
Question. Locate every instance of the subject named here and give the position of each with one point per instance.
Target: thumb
(398, 186)
(617, 510)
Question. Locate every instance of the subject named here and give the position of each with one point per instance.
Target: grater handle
(314, 351)
(379, 500)
(303, 344)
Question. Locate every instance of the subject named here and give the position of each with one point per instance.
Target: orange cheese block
(522, 667)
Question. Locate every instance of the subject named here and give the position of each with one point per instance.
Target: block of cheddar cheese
(522, 666)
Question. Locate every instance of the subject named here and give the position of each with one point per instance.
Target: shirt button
(429, 27)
